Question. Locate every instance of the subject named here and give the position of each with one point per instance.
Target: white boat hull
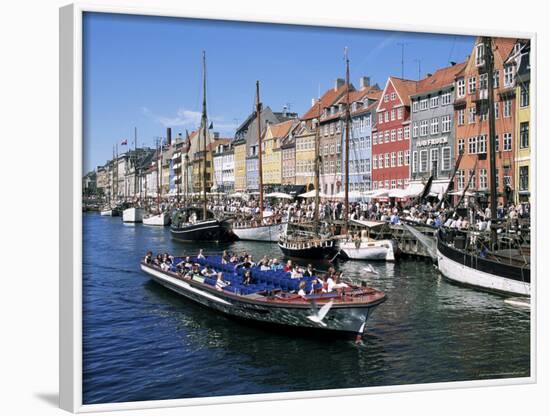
(264, 233)
(369, 250)
(107, 213)
(460, 273)
(132, 215)
(159, 220)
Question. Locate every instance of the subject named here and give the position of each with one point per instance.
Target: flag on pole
(124, 142)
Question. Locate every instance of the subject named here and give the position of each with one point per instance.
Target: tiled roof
(360, 95)
(405, 88)
(328, 98)
(440, 78)
(281, 129)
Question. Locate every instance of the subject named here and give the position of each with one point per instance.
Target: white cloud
(191, 120)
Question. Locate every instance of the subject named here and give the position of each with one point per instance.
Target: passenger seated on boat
(309, 271)
(165, 266)
(220, 283)
(296, 273)
(201, 255)
(225, 257)
(338, 284)
(301, 289)
(208, 272)
(188, 264)
(288, 266)
(158, 260)
(247, 278)
(194, 271)
(275, 265)
(148, 259)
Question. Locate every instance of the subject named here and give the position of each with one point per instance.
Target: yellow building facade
(240, 165)
(305, 157)
(522, 176)
(271, 151)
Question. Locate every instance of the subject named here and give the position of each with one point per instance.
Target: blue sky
(145, 71)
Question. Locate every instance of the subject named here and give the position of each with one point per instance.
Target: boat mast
(489, 65)
(316, 179)
(115, 179)
(346, 164)
(159, 172)
(135, 163)
(204, 126)
(258, 120)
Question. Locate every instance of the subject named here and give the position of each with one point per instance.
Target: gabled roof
(359, 95)
(281, 129)
(440, 78)
(404, 88)
(329, 97)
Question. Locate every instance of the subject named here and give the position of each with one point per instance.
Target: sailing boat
(361, 246)
(309, 243)
(489, 261)
(135, 213)
(261, 229)
(161, 218)
(192, 223)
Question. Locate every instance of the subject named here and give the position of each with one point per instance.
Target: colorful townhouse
(272, 155)
(522, 161)
(433, 129)
(320, 111)
(472, 121)
(224, 167)
(391, 135)
(288, 160)
(363, 104)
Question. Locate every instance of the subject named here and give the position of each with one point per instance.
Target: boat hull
(159, 220)
(109, 213)
(473, 271)
(270, 233)
(340, 320)
(132, 215)
(382, 250)
(310, 252)
(210, 230)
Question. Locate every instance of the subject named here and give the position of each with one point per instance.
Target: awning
(368, 224)
(280, 195)
(311, 194)
(352, 195)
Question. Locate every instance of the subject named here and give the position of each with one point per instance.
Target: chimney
(168, 136)
(428, 75)
(285, 110)
(453, 63)
(313, 102)
(339, 83)
(364, 82)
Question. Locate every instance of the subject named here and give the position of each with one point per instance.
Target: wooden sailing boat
(159, 218)
(359, 246)
(310, 243)
(260, 229)
(483, 259)
(135, 213)
(192, 223)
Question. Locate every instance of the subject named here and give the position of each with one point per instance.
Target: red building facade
(391, 136)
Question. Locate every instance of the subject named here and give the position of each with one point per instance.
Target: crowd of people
(322, 282)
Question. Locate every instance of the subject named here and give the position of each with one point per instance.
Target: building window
(368, 142)
(472, 178)
(472, 145)
(380, 118)
(434, 160)
(386, 98)
(407, 157)
(415, 162)
(507, 108)
(507, 142)
(460, 88)
(415, 129)
(424, 128)
(423, 161)
(446, 124)
(393, 135)
(480, 54)
(524, 135)
(446, 98)
(399, 134)
(387, 137)
(508, 75)
(524, 178)
(482, 144)
(460, 179)
(435, 126)
(497, 143)
(524, 95)
(415, 106)
(496, 78)
(393, 159)
(460, 117)
(471, 85)
(338, 166)
(472, 115)
(424, 104)
(393, 183)
(446, 158)
(374, 139)
(400, 113)
(392, 115)
(497, 108)
(434, 102)
(375, 162)
(387, 160)
(400, 158)
(483, 179)
(338, 147)
(407, 132)
(483, 81)
(460, 146)
(386, 116)
(392, 96)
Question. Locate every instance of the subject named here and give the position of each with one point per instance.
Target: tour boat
(366, 248)
(134, 214)
(189, 224)
(271, 299)
(160, 220)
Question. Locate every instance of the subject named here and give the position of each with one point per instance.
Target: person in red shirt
(288, 266)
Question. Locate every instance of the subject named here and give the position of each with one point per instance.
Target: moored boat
(188, 224)
(305, 245)
(110, 212)
(362, 247)
(133, 214)
(271, 298)
(159, 220)
(265, 232)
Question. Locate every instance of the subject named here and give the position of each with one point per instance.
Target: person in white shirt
(220, 283)
(201, 255)
(301, 289)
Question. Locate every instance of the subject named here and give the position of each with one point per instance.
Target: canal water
(143, 342)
